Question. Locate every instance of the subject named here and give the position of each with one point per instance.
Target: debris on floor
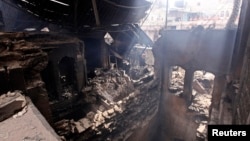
(202, 94)
(11, 103)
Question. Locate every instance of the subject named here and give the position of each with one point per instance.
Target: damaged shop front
(89, 85)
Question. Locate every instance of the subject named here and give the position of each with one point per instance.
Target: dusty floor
(28, 125)
(176, 121)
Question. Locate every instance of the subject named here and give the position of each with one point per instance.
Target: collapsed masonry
(120, 103)
(202, 88)
(193, 50)
(51, 70)
(122, 109)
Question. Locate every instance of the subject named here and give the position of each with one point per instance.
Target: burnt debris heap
(50, 69)
(87, 77)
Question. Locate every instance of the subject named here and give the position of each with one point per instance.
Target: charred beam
(97, 19)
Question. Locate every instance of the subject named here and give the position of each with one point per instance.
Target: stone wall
(241, 93)
(20, 65)
(241, 105)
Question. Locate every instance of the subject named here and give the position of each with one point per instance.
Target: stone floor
(27, 125)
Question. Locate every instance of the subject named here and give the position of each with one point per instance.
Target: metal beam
(97, 19)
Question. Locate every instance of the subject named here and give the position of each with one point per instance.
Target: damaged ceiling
(94, 74)
(78, 13)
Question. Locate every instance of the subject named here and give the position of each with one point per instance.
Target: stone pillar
(104, 55)
(188, 81)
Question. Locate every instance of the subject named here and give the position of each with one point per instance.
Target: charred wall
(93, 54)
(242, 98)
(21, 64)
(46, 67)
(239, 87)
(67, 68)
(241, 93)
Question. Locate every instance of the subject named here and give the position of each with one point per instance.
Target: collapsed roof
(78, 13)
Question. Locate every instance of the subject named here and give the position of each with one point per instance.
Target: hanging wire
(150, 10)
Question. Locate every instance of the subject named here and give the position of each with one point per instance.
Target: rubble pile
(177, 80)
(202, 90)
(202, 94)
(119, 119)
(142, 61)
(111, 85)
(120, 105)
(111, 106)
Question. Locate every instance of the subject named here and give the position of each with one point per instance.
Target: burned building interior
(86, 70)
